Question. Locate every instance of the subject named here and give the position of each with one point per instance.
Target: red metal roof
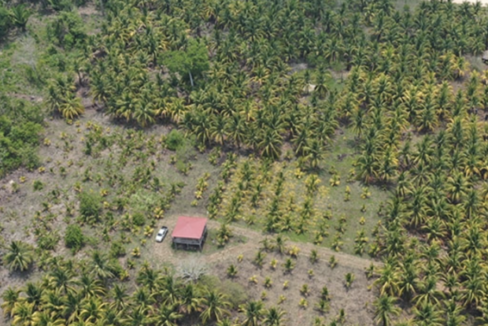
(189, 227)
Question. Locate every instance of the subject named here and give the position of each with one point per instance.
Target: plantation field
(337, 148)
(45, 200)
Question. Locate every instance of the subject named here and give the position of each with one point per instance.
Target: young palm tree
(18, 256)
(10, 298)
(19, 16)
(385, 308)
(23, 314)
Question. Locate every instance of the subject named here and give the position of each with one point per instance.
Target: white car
(161, 234)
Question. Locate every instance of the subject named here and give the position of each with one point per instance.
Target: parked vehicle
(161, 234)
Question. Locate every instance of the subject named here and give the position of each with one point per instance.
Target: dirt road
(253, 243)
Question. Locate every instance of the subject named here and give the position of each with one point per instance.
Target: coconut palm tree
(214, 306)
(166, 315)
(254, 313)
(385, 308)
(18, 256)
(274, 317)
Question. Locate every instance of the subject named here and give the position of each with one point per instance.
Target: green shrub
(117, 249)
(5, 23)
(37, 185)
(67, 30)
(74, 237)
(175, 140)
(138, 219)
(235, 292)
(48, 241)
(90, 206)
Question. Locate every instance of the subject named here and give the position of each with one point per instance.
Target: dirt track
(253, 243)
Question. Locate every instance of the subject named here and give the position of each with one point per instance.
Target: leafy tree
(193, 61)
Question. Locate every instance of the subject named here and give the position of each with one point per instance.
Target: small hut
(190, 232)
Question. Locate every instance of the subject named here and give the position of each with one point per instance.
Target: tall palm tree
(101, 266)
(214, 305)
(166, 315)
(254, 313)
(274, 317)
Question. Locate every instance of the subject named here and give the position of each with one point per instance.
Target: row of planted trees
(88, 292)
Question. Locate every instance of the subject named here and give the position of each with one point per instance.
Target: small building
(189, 232)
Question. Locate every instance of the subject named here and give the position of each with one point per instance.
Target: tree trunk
(191, 79)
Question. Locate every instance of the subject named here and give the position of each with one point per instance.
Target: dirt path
(253, 243)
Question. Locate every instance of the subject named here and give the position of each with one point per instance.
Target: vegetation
(355, 126)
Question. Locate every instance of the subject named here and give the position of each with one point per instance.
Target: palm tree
(254, 312)
(33, 294)
(101, 266)
(18, 256)
(280, 243)
(190, 300)
(214, 306)
(385, 308)
(90, 286)
(62, 278)
(19, 16)
(45, 318)
(274, 317)
(167, 315)
(23, 314)
(92, 309)
(149, 278)
(10, 298)
(270, 144)
(427, 315)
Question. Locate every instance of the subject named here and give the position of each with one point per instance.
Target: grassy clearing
(66, 170)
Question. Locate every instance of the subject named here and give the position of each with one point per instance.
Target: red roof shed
(189, 227)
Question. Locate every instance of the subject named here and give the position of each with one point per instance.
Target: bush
(5, 23)
(235, 292)
(117, 249)
(48, 241)
(138, 219)
(175, 140)
(37, 185)
(67, 30)
(19, 134)
(74, 237)
(90, 206)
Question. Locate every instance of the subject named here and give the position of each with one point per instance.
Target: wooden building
(190, 232)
